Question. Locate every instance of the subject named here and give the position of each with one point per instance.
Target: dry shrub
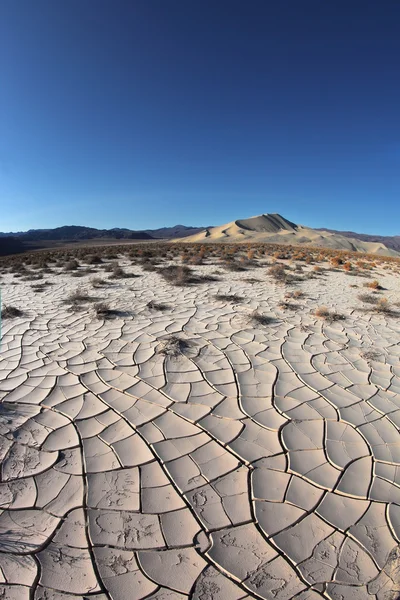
(259, 319)
(98, 282)
(174, 346)
(324, 313)
(368, 298)
(383, 306)
(71, 265)
(177, 275)
(11, 312)
(103, 311)
(278, 273)
(285, 305)
(374, 285)
(296, 294)
(228, 297)
(93, 259)
(158, 306)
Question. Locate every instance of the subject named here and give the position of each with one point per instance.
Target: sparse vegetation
(157, 306)
(11, 312)
(324, 313)
(228, 297)
(174, 346)
(260, 319)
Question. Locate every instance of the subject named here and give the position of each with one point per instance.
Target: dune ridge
(274, 228)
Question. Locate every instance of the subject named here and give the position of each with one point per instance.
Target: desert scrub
(324, 313)
(278, 273)
(368, 298)
(174, 346)
(228, 297)
(374, 285)
(11, 312)
(71, 265)
(260, 319)
(98, 282)
(177, 274)
(103, 310)
(157, 306)
(383, 306)
(78, 297)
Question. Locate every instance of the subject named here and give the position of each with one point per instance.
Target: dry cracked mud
(251, 461)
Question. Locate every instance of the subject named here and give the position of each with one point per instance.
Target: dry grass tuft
(158, 306)
(11, 312)
(228, 297)
(259, 319)
(174, 346)
(324, 313)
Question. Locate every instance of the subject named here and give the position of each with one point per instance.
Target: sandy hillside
(195, 449)
(273, 228)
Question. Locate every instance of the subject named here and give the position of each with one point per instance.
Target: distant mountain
(80, 233)
(13, 242)
(275, 229)
(177, 231)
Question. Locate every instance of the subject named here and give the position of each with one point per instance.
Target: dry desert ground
(220, 433)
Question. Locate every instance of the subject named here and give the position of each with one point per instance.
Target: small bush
(71, 265)
(173, 346)
(98, 282)
(103, 311)
(374, 285)
(157, 306)
(368, 298)
(324, 313)
(228, 297)
(278, 273)
(259, 319)
(11, 312)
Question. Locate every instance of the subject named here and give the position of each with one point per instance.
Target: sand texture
(242, 460)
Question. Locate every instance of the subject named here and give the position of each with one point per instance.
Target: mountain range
(272, 228)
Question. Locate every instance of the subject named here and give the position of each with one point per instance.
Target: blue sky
(145, 113)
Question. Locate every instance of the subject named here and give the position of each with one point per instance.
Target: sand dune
(274, 228)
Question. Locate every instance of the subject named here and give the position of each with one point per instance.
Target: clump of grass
(260, 319)
(157, 306)
(296, 294)
(285, 305)
(98, 282)
(117, 272)
(40, 287)
(374, 285)
(11, 312)
(94, 259)
(103, 310)
(383, 306)
(71, 265)
(368, 298)
(77, 297)
(173, 346)
(228, 297)
(177, 275)
(278, 273)
(370, 355)
(324, 313)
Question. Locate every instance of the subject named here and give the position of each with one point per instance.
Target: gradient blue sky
(144, 113)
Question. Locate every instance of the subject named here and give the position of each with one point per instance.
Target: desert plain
(213, 423)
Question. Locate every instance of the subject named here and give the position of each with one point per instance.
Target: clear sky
(144, 113)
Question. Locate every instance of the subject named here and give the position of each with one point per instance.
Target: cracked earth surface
(261, 462)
